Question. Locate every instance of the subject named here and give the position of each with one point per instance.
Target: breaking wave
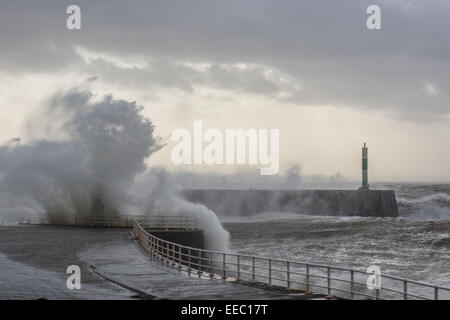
(88, 163)
(430, 207)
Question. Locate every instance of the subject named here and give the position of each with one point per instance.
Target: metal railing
(311, 278)
(172, 223)
(83, 220)
(153, 222)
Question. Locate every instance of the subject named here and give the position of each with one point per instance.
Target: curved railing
(334, 281)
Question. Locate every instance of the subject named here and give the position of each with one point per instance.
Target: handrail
(335, 281)
(153, 222)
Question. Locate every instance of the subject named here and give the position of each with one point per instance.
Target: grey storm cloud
(322, 46)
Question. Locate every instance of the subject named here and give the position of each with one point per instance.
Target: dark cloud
(322, 45)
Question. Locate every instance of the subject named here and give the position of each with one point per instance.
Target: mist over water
(95, 151)
(163, 196)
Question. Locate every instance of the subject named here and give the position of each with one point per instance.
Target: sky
(311, 69)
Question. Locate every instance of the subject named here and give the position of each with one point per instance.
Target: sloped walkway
(33, 260)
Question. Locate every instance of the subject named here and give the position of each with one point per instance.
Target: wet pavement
(33, 262)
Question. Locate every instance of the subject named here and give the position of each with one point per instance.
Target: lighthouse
(365, 179)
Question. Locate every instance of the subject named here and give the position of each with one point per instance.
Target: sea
(415, 245)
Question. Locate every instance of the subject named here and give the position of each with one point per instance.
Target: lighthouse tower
(365, 179)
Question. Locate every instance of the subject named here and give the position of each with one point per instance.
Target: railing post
(436, 293)
(405, 290)
(270, 272)
(167, 253)
(253, 269)
(173, 254)
(164, 251)
(179, 258)
(238, 267)
(224, 267)
(211, 269)
(352, 279)
(158, 249)
(307, 278)
(189, 261)
(152, 246)
(199, 264)
(329, 280)
(288, 276)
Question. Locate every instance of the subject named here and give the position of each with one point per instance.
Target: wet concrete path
(33, 262)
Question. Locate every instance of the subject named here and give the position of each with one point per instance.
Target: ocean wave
(278, 216)
(440, 197)
(430, 207)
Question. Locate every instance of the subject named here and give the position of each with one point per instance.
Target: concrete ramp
(366, 203)
(33, 262)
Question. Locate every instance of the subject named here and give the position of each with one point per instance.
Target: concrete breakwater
(366, 203)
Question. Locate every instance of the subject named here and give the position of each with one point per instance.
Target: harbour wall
(365, 203)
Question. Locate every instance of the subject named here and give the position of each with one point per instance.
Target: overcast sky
(310, 68)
